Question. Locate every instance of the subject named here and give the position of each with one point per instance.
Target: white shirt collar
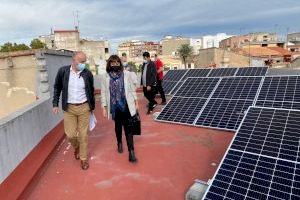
(71, 69)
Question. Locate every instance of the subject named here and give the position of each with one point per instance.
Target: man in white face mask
(125, 63)
(149, 81)
(76, 84)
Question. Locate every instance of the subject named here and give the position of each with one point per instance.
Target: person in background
(128, 67)
(149, 81)
(118, 98)
(160, 77)
(125, 63)
(76, 83)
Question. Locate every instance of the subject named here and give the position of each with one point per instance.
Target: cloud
(22, 20)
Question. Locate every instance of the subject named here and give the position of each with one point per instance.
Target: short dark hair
(155, 55)
(124, 54)
(146, 54)
(113, 58)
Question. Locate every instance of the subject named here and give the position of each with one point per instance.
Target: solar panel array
(263, 161)
(175, 78)
(226, 107)
(188, 100)
(280, 92)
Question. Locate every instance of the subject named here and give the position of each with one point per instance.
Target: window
(106, 50)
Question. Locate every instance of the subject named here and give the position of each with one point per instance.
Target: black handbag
(135, 124)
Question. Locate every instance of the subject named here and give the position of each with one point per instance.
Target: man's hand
(148, 88)
(55, 110)
(104, 111)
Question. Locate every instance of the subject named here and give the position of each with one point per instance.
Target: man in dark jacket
(148, 81)
(76, 83)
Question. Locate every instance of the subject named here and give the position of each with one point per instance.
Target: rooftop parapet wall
(21, 131)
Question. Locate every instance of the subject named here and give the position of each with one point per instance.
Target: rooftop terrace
(170, 158)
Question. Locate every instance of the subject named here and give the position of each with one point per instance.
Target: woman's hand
(104, 111)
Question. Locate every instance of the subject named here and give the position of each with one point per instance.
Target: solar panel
(168, 86)
(280, 92)
(176, 87)
(222, 72)
(181, 110)
(223, 113)
(174, 75)
(252, 71)
(196, 73)
(197, 87)
(270, 132)
(233, 96)
(238, 88)
(263, 159)
(171, 79)
(248, 176)
(188, 101)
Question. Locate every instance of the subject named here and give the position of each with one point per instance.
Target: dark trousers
(150, 96)
(161, 90)
(121, 120)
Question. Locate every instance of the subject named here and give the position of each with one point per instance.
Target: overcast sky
(118, 20)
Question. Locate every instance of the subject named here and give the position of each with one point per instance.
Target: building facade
(294, 38)
(95, 50)
(170, 45)
(135, 49)
(242, 40)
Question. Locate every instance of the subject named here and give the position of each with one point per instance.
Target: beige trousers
(76, 124)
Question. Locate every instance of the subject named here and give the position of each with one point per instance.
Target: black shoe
(132, 157)
(120, 148)
(163, 102)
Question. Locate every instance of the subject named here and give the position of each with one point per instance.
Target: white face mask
(125, 64)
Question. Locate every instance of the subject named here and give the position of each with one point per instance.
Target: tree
(37, 44)
(185, 51)
(8, 47)
(136, 68)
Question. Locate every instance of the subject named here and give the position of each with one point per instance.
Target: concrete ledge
(15, 184)
(21, 131)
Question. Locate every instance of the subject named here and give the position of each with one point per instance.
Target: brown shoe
(76, 153)
(85, 164)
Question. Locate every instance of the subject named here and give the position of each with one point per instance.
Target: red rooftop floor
(170, 158)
